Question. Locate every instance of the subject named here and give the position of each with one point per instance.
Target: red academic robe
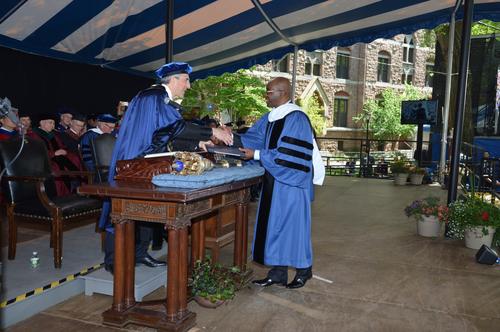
(70, 161)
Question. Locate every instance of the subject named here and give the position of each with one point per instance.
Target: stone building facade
(343, 78)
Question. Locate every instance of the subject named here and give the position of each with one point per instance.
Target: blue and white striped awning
(213, 36)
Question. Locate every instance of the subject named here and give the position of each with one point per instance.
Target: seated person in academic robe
(105, 125)
(8, 120)
(60, 157)
(8, 129)
(71, 136)
(65, 116)
(25, 121)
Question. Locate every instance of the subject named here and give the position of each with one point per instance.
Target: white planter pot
(429, 227)
(474, 237)
(400, 179)
(416, 179)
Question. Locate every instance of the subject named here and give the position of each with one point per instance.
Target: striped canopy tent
(213, 36)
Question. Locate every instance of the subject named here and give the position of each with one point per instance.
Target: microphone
(6, 110)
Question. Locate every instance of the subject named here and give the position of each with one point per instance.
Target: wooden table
(175, 208)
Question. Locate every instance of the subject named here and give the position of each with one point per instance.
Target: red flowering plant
(429, 206)
(469, 212)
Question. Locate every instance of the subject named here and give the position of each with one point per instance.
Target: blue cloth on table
(214, 177)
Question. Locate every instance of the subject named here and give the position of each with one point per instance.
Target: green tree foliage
(238, 93)
(314, 111)
(487, 28)
(385, 115)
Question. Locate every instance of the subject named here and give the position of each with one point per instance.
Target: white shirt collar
(97, 130)
(10, 131)
(169, 93)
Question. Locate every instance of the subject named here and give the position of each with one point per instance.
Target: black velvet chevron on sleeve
(298, 142)
(194, 133)
(163, 135)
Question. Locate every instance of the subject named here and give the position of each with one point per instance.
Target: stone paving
(383, 276)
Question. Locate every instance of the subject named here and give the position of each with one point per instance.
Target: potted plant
(429, 214)
(475, 220)
(213, 284)
(400, 170)
(417, 175)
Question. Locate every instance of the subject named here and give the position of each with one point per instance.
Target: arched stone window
(383, 67)
(282, 65)
(313, 63)
(408, 60)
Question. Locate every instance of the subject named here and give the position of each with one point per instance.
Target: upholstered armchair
(29, 191)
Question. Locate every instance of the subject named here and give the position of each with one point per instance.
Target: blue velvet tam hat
(173, 68)
(106, 118)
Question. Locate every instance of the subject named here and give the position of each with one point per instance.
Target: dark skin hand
(248, 154)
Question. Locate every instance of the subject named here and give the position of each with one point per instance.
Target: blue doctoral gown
(86, 149)
(283, 230)
(147, 112)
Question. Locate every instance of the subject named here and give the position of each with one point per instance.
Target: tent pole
(461, 99)
(294, 71)
(169, 33)
(449, 69)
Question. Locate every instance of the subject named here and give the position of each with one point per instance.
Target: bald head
(278, 92)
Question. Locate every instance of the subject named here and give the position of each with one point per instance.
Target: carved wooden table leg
(244, 249)
(117, 315)
(238, 236)
(129, 263)
(119, 268)
(178, 317)
(183, 271)
(195, 243)
(173, 274)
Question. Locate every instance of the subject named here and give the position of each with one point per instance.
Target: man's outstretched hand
(204, 144)
(223, 134)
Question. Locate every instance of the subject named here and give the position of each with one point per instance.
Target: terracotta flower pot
(206, 303)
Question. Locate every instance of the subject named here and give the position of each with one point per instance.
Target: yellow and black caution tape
(52, 285)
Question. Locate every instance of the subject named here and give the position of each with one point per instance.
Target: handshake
(219, 135)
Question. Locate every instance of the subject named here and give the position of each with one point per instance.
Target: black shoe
(109, 268)
(150, 261)
(268, 282)
(299, 281)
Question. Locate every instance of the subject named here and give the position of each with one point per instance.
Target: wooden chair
(102, 150)
(29, 190)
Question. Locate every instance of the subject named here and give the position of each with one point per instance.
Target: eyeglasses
(271, 91)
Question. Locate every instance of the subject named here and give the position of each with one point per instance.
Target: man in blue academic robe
(152, 121)
(8, 120)
(282, 141)
(105, 125)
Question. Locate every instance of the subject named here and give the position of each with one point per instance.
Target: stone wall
(362, 83)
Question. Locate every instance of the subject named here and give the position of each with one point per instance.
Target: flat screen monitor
(419, 112)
